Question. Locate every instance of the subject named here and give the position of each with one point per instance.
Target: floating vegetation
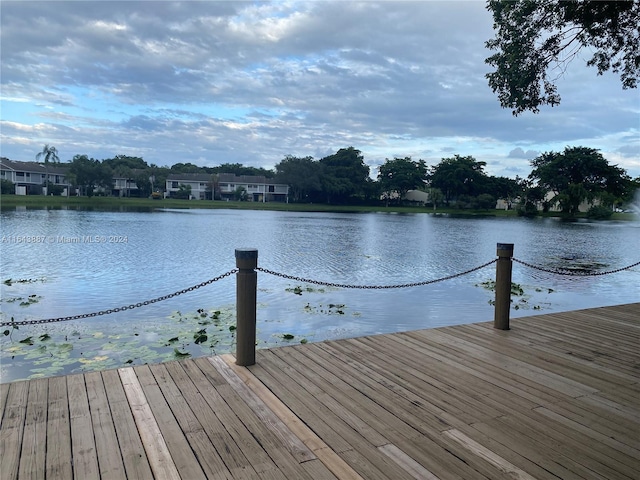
(288, 338)
(24, 301)
(517, 290)
(298, 290)
(329, 309)
(44, 350)
(11, 281)
(577, 264)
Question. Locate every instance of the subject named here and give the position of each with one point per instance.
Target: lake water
(58, 263)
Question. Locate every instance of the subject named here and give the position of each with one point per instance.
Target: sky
(252, 82)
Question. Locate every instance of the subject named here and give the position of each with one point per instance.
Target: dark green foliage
(599, 212)
(240, 194)
(578, 174)
(303, 177)
(458, 176)
(184, 192)
(485, 201)
(396, 177)
(344, 176)
(536, 39)
(529, 209)
(7, 187)
(88, 173)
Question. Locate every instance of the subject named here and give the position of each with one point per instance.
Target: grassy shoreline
(141, 204)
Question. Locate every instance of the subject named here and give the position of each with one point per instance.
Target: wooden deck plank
(447, 451)
(110, 460)
(341, 373)
(290, 469)
(245, 385)
(33, 454)
(134, 456)
(157, 451)
(12, 429)
(551, 358)
(397, 430)
(216, 418)
(554, 397)
(247, 433)
(230, 462)
(58, 461)
(323, 366)
(4, 391)
(550, 463)
(83, 448)
(291, 442)
(315, 379)
(182, 455)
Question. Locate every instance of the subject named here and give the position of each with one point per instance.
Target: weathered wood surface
(557, 396)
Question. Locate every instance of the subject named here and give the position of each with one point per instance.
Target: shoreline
(142, 204)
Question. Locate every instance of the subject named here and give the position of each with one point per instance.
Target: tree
(435, 196)
(345, 176)
(579, 174)
(88, 173)
(186, 168)
(456, 176)
(184, 192)
(48, 153)
(303, 177)
(485, 201)
(401, 175)
(239, 169)
(7, 187)
(125, 163)
(240, 194)
(539, 38)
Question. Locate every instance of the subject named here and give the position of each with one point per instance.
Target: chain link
(372, 287)
(303, 280)
(569, 272)
(119, 309)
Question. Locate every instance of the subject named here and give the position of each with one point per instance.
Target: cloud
(520, 153)
(218, 82)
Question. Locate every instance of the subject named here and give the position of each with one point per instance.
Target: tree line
(563, 179)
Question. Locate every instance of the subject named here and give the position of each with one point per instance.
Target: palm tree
(48, 153)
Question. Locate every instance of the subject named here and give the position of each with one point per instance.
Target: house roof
(232, 178)
(190, 177)
(34, 167)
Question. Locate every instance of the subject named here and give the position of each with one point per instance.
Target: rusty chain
(372, 287)
(569, 272)
(119, 309)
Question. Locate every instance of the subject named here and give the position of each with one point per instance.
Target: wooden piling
(246, 298)
(503, 286)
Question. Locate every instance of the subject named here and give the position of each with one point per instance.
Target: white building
(225, 185)
(30, 177)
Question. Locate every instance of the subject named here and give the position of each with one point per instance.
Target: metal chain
(119, 309)
(304, 280)
(570, 272)
(372, 287)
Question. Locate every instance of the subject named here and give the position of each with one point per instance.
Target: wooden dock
(555, 397)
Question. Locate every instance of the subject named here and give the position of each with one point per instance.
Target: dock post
(246, 298)
(503, 286)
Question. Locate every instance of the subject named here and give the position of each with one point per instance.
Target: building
(227, 186)
(257, 188)
(200, 185)
(29, 177)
